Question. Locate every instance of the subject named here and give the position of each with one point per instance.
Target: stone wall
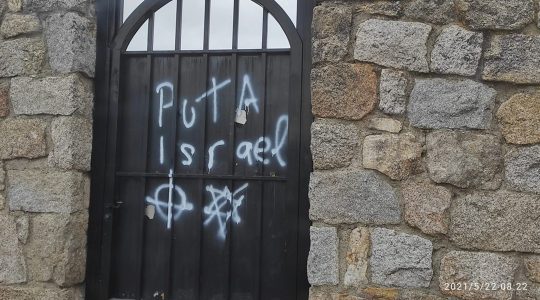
(47, 61)
(426, 147)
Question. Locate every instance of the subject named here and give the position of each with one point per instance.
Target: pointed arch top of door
(143, 11)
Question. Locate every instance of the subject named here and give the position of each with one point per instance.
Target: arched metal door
(202, 161)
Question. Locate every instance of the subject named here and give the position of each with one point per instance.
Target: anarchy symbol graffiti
(168, 210)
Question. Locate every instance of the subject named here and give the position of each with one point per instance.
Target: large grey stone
(72, 143)
(497, 14)
(331, 32)
(393, 92)
(23, 56)
(394, 155)
(47, 191)
(12, 263)
(32, 292)
(15, 24)
(395, 44)
(399, 259)
(444, 103)
(333, 144)
(432, 11)
(457, 51)
(51, 5)
(71, 43)
(323, 261)
(464, 159)
(523, 169)
(51, 95)
(496, 221)
(357, 257)
(426, 206)
(22, 138)
(344, 91)
(520, 118)
(460, 268)
(353, 196)
(56, 249)
(513, 58)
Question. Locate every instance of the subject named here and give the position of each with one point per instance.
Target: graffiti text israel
(263, 149)
(170, 200)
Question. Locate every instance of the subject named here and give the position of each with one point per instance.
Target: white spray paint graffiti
(188, 124)
(161, 150)
(189, 156)
(251, 151)
(224, 204)
(218, 209)
(211, 153)
(214, 92)
(245, 100)
(167, 210)
(160, 89)
(282, 128)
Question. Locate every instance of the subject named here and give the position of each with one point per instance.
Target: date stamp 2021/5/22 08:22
(484, 286)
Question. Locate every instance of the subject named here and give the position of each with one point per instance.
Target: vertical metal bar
(265, 62)
(98, 277)
(304, 27)
(110, 170)
(229, 241)
(206, 41)
(151, 33)
(234, 83)
(201, 181)
(265, 30)
(174, 151)
(148, 103)
(232, 139)
(178, 35)
(265, 70)
(235, 24)
(120, 17)
(295, 118)
(170, 200)
(150, 46)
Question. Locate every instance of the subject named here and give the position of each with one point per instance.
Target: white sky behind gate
(250, 25)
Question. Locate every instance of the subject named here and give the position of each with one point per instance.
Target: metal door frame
(110, 43)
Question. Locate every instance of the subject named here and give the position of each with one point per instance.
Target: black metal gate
(200, 161)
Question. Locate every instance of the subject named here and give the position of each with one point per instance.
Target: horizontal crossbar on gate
(209, 52)
(202, 176)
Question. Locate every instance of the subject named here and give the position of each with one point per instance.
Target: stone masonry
(426, 149)
(429, 184)
(47, 63)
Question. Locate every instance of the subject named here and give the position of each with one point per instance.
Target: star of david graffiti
(224, 206)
